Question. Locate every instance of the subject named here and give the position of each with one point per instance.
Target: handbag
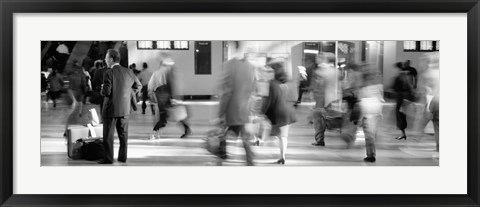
(177, 113)
(93, 149)
(89, 148)
(409, 108)
(406, 106)
(212, 142)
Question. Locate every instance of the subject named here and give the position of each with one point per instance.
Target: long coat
(118, 85)
(237, 86)
(275, 106)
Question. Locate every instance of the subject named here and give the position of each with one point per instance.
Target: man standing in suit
(119, 86)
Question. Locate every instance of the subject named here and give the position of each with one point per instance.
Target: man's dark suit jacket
(119, 84)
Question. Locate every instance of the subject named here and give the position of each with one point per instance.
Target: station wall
(272, 48)
(394, 53)
(191, 83)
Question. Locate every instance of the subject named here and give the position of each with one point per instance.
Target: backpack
(90, 148)
(93, 149)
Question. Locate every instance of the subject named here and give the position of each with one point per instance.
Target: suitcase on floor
(76, 132)
(92, 149)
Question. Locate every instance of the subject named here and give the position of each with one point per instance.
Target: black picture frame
(10, 7)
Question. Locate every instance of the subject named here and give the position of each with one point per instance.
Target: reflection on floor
(170, 150)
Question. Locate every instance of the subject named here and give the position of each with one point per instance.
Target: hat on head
(274, 61)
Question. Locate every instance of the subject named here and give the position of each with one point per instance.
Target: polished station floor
(171, 150)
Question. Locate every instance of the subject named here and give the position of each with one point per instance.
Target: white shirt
(115, 64)
(371, 100)
(159, 78)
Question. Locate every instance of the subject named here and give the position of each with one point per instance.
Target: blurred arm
(267, 99)
(415, 78)
(151, 83)
(226, 85)
(61, 80)
(137, 85)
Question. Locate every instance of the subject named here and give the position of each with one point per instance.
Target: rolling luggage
(79, 132)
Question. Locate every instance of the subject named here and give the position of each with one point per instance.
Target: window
(409, 45)
(421, 46)
(162, 45)
(426, 45)
(180, 45)
(144, 44)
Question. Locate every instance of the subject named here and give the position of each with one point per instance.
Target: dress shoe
(153, 136)
(369, 159)
(188, 132)
(401, 137)
(257, 142)
(124, 161)
(103, 161)
(221, 154)
(281, 161)
(319, 144)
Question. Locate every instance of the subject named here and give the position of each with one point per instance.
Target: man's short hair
(114, 55)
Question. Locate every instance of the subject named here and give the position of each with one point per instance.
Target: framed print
(333, 103)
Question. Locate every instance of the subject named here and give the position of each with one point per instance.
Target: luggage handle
(92, 132)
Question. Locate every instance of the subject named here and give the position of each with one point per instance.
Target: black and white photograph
(257, 103)
(240, 103)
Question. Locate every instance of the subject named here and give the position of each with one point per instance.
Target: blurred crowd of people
(346, 99)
